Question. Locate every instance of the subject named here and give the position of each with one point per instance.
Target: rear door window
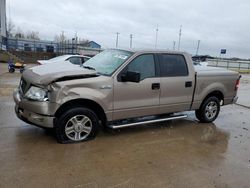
(172, 65)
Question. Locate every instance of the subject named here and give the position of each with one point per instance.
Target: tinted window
(144, 64)
(75, 60)
(173, 65)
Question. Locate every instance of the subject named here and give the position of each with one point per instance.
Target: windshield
(108, 61)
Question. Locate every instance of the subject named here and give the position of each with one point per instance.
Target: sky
(218, 24)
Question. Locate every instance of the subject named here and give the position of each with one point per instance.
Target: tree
(19, 33)
(10, 28)
(84, 42)
(60, 38)
(33, 35)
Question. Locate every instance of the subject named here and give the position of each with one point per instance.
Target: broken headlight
(37, 94)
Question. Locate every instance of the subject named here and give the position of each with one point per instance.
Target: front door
(137, 99)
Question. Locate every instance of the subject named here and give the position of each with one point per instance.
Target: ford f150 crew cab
(121, 88)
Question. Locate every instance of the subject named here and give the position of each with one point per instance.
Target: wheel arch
(215, 93)
(94, 106)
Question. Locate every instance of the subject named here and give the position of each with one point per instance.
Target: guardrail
(240, 66)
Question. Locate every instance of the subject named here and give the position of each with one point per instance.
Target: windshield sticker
(120, 56)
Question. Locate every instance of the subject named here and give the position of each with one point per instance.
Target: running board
(147, 122)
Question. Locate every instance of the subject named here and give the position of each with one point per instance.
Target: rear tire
(209, 110)
(76, 125)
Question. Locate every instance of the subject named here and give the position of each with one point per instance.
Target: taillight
(237, 84)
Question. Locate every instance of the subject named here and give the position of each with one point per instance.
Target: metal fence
(65, 47)
(18, 44)
(240, 66)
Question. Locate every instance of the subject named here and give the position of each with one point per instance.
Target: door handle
(188, 84)
(155, 86)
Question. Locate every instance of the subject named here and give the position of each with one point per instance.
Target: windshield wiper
(88, 67)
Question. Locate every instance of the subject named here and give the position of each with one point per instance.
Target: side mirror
(131, 77)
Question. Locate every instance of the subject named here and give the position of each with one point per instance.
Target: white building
(2, 24)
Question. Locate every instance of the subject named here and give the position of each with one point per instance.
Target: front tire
(209, 110)
(76, 125)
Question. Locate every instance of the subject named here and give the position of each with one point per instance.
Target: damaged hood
(48, 73)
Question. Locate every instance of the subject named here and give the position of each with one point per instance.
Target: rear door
(177, 83)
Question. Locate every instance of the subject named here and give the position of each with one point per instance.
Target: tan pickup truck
(121, 88)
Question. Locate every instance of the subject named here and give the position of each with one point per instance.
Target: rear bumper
(230, 100)
(235, 99)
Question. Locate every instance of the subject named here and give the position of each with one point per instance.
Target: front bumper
(33, 112)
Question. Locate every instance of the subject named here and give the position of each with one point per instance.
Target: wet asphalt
(181, 153)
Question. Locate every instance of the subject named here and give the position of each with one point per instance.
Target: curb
(243, 105)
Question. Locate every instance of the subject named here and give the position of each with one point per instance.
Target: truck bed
(209, 79)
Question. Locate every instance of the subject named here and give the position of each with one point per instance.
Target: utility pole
(131, 38)
(156, 36)
(179, 42)
(198, 46)
(117, 36)
(174, 45)
(61, 38)
(76, 42)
